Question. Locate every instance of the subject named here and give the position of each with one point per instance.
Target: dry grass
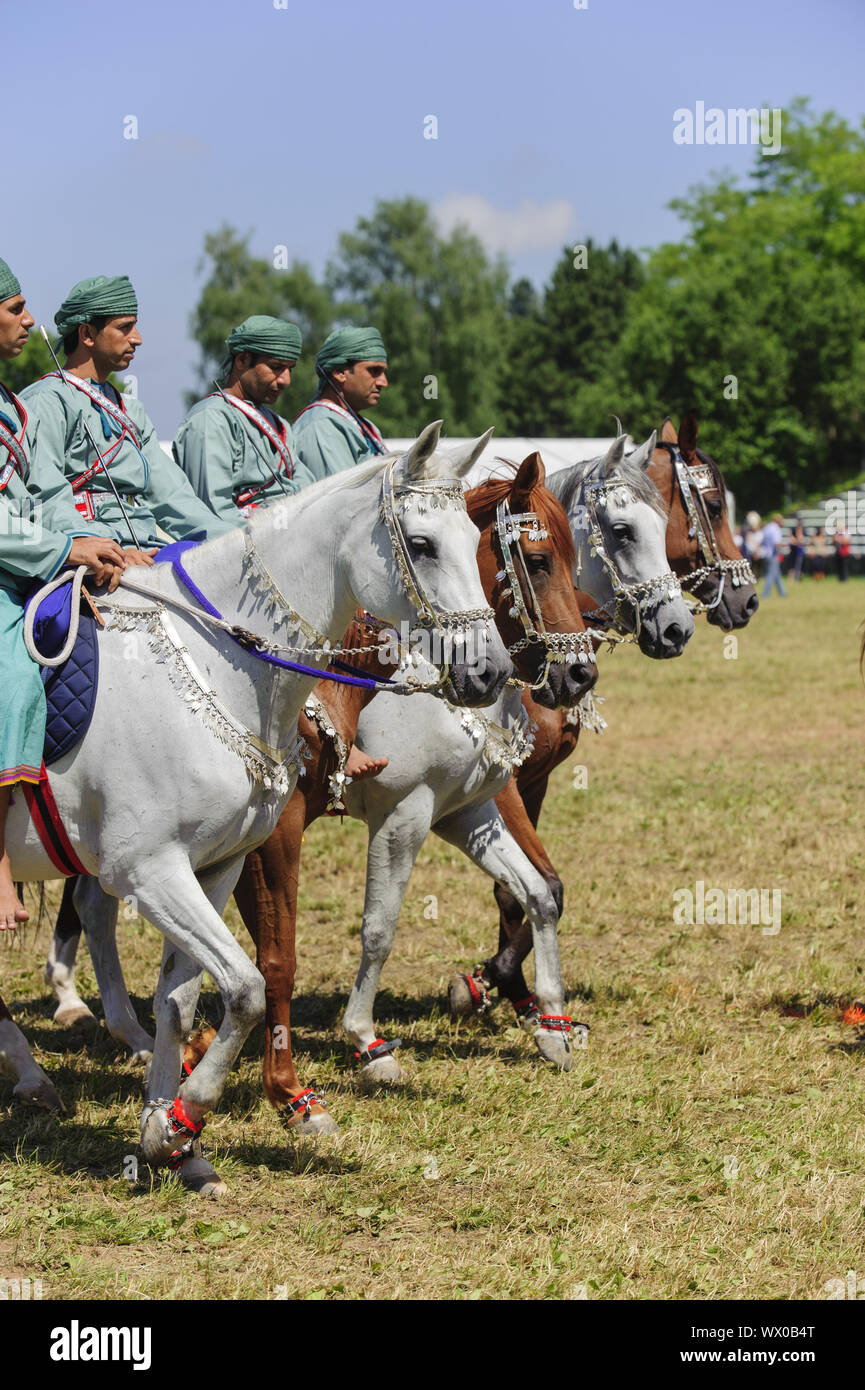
(707, 1144)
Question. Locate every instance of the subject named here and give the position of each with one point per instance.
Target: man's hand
(103, 556)
(139, 557)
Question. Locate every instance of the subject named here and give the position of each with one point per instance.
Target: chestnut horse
(713, 567)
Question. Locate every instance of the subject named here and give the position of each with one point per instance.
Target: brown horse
(556, 738)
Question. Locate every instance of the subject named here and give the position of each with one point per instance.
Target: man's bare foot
(12, 910)
(359, 765)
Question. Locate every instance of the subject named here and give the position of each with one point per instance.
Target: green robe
(34, 544)
(328, 440)
(226, 456)
(154, 490)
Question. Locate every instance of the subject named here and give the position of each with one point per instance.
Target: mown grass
(707, 1144)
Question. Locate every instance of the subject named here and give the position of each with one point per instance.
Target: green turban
(266, 336)
(102, 296)
(350, 345)
(9, 286)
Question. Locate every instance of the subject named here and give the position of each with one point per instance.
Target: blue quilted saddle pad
(70, 689)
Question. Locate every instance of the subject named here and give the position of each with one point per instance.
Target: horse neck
(568, 485)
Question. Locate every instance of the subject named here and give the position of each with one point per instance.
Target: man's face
(264, 381)
(362, 384)
(15, 325)
(113, 346)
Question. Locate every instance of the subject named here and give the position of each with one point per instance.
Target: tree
(32, 363)
(563, 342)
(755, 319)
(241, 284)
(440, 304)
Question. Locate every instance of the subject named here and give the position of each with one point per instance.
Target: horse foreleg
(31, 1083)
(266, 895)
(481, 834)
(394, 843)
(60, 965)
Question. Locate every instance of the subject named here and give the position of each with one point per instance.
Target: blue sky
(554, 124)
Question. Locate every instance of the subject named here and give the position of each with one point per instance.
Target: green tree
(240, 284)
(440, 304)
(755, 320)
(564, 340)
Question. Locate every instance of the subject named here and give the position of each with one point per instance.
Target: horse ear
(642, 457)
(461, 460)
(614, 456)
(688, 431)
(668, 431)
(530, 475)
(415, 461)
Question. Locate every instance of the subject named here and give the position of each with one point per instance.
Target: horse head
(526, 558)
(618, 520)
(699, 540)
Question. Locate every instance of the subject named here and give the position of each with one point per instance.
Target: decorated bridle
(561, 647)
(694, 480)
(638, 595)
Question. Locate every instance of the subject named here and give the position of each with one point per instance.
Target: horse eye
(538, 562)
(715, 509)
(422, 545)
(622, 532)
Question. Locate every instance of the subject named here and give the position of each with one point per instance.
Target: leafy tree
(767, 287)
(440, 304)
(563, 341)
(240, 284)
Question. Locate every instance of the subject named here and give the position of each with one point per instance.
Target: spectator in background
(841, 542)
(818, 554)
(773, 537)
(752, 539)
(798, 547)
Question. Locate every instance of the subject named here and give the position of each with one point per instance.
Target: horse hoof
(460, 1001)
(555, 1048)
(312, 1125)
(382, 1071)
(159, 1138)
(40, 1093)
(199, 1176)
(68, 1015)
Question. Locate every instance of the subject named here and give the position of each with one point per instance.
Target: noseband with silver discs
(558, 647)
(694, 480)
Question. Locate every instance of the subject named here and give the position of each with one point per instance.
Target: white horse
(444, 770)
(440, 775)
(191, 753)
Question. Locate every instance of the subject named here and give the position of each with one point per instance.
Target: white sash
(118, 413)
(340, 410)
(262, 422)
(10, 442)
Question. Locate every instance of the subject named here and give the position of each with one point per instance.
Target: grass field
(709, 1142)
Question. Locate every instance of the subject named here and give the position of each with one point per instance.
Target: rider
(330, 434)
(97, 323)
(36, 541)
(237, 453)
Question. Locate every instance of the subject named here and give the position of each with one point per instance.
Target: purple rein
(172, 554)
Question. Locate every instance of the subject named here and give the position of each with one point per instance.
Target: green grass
(707, 1144)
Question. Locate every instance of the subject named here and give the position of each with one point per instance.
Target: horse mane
(567, 482)
(481, 502)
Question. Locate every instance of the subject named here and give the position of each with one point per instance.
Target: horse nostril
(673, 635)
(752, 605)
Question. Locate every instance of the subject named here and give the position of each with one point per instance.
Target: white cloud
(530, 227)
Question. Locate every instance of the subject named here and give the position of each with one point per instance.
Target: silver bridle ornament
(561, 647)
(697, 479)
(639, 595)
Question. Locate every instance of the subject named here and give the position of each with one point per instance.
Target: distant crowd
(805, 551)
